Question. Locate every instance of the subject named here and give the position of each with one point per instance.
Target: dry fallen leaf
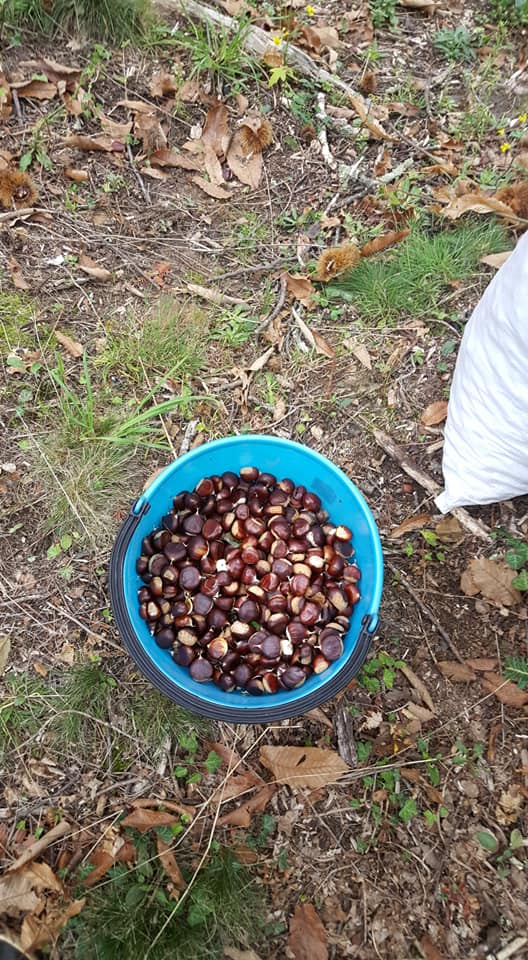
(148, 129)
(143, 819)
(212, 295)
(73, 347)
(435, 413)
(92, 269)
(216, 133)
(5, 647)
(410, 524)
(509, 805)
(169, 864)
(492, 579)
(101, 144)
(320, 37)
(246, 166)
(35, 89)
(79, 176)
(449, 530)
(483, 664)
(169, 158)
(212, 189)
(458, 672)
(261, 361)
(381, 243)
(243, 815)
(359, 351)
(301, 289)
(163, 84)
(231, 953)
(303, 766)
(476, 203)
(16, 274)
(419, 686)
(39, 931)
(18, 891)
(496, 260)
(427, 5)
(115, 130)
(319, 344)
(507, 692)
(361, 107)
(307, 938)
(5, 98)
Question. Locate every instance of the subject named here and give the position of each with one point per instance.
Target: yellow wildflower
(501, 131)
(277, 41)
(310, 10)
(523, 118)
(505, 147)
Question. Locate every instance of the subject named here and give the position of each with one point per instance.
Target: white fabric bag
(486, 436)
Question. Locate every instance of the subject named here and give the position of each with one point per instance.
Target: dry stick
(139, 178)
(397, 453)
(276, 309)
(16, 104)
(21, 212)
(425, 610)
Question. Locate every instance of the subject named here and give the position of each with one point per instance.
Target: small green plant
(379, 673)
(510, 11)
(23, 708)
(217, 52)
(457, 44)
(62, 545)
(383, 12)
(155, 718)
(410, 279)
(517, 559)
(516, 669)
(233, 327)
(83, 700)
(431, 539)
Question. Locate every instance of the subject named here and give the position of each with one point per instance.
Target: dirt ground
(420, 849)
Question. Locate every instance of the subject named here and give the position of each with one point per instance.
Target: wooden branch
(475, 527)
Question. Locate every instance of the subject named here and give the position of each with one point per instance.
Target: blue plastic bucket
(344, 503)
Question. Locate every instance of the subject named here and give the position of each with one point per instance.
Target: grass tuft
(122, 919)
(108, 20)
(83, 699)
(23, 709)
(214, 52)
(156, 718)
(411, 279)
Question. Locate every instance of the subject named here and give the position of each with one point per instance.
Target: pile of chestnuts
(248, 583)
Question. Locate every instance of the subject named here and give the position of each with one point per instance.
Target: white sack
(486, 436)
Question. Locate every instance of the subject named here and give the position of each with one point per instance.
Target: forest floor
(142, 274)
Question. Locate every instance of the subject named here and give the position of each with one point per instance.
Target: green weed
(23, 709)
(215, 52)
(412, 278)
(516, 669)
(383, 12)
(122, 919)
(83, 700)
(233, 327)
(458, 44)
(16, 316)
(510, 11)
(111, 20)
(517, 559)
(156, 718)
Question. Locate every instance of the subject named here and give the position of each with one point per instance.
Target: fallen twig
(397, 453)
(40, 845)
(321, 115)
(142, 185)
(16, 104)
(189, 435)
(276, 309)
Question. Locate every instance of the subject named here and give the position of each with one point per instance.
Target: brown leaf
(418, 685)
(307, 938)
(509, 806)
(57, 72)
(6, 98)
(79, 176)
(163, 84)
(101, 144)
(507, 692)
(360, 352)
(18, 891)
(143, 819)
(148, 129)
(231, 953)
(104, 857)
(115, 130)
(16, 274)
(35, 89)
(458, 672)
(361, 107)
(247, 167)
(73, 347)
(213, 166)
(216, 133)
(303, 766)
(37, 847)
(5, 647)
(39, 931)
(211, 189)
(381, 243)
(261, 361)
(169, 158)
(242, 103)
(168, 861)
(483, 664)
(428, 948)
(301, 289)
(496, 260)
(315, 339)
(320, 37)
(243, 815)
(492, 579)
(410, 524)
(435, 413)
(154, 173)
(449, 530)
(212, 295)
(189, 92)
(476, 203)
(92, 269)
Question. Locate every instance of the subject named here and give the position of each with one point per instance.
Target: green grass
(23, 709)
(412, 278)
(383, 13)
(108, 20)
(83, 700)
(16, 316)
(121, 919)
(510, 11)
(155, 718)
(213, 52)
(169, 337)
